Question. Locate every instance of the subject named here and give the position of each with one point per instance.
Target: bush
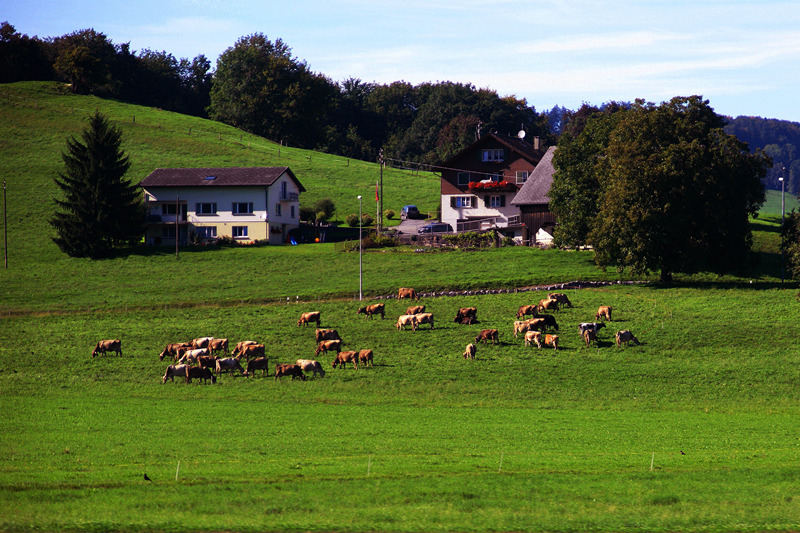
(389, 214)
(367, 220)
(352, 220)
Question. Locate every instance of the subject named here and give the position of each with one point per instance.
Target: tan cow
(415, 310)
(561, 298)
(533, 337)
(375, 309)
(307, 318)
(488, 335)
(175, 349)
(589, 336)
(252, 351)
(229, 364)
(108, 346)
(624, 337)
(201, 342)
(309, 365)
(526, 310)
(365, 357)
(521, 326)
(404, 292)
(190, 356)
(216, 345)
(551, 340)
(424, 318)
(604, 311)
(326, 335)
(328, 346)
(407, 320)
(469, 352)
(173, 371)
(239, 345)
(346, 357)
(548, 305)
(289, 370)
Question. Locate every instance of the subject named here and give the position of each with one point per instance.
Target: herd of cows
(199, 359)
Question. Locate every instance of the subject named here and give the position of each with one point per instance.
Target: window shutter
(487, 200)
(453, 202)
(503, 200)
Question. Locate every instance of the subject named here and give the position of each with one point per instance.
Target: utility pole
(177, 228)
(380, 196)
(5, 225)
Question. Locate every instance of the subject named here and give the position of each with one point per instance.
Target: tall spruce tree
(100, 210)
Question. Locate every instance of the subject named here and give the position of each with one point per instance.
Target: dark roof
(222, 177)
(515, 144)
(537, 186)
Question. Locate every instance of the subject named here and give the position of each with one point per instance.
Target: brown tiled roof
(222, 177)
(519, 146)
(537, 186)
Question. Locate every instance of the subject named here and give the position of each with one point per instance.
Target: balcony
(289, 197)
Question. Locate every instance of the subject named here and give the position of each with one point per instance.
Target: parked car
(410, 212)
(436, 227)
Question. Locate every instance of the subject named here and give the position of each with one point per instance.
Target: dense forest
(260, 87)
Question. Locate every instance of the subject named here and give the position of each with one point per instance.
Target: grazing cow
(404, 292)
(526, 310)
(488, 335)
(306, 318)
(346, 357)
(595, 326)
(259, 363)
(561, 298)
(604, 311)
(328, 346)
(547, 305)
(108, 346)
(549, 320)
(406, 320)
(216, 345)
(624, 337)
(551, 340)
(365, 357)
(207, 361)
(424, 318)
(229, 364)
(415, 310)
(533, 337)
(190, 356)
(201, 342)
(521, 326)
(466, 312)
(469, 320)
(376, 309)
(201, 373)
(538, 324)
(252, 351)
(589, 336)
(289, 370)
(326, 335)
(469, 352)
(309, 365)
(240, 345)
(174, 349)
(174, 370)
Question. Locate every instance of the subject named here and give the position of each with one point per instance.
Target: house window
(522, 176)
(239, 232)
(284, 191)
(496, 177)
(463, 178)
(277, 209)
(496, 154)
(168, 209)
(242, 208)
(292, 208)
(208, 232)
(168, 232)
(496, 201)
(206, 208)
(461, 201)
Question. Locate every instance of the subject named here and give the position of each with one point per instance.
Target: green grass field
(693, 430)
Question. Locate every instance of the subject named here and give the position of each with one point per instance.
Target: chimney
(536, 143)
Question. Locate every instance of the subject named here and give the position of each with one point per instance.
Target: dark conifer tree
(100, 210)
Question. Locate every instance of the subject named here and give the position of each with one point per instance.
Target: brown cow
(174, 370)
(328, 346)
(404, 292)
(175, 349)
(488, 335)
(561, 298)
(526, 310)
(309, 365)
(589, 336)
(201, 373)
(215, 345)
(239, 345)
(604, 311)
(201, 342)
(466, 312)
(346, 357)
(306, 318)
(624, 337)
(551, 340)
(259, 363)
(326, 335)
(365, 357)
(469, 352)
(539, 324)
(289, 370)
(469, 320)
(190, 356)
(521, 326)
(548, 305)
(252, 351)
(415, 310)
(229, 364)
(108, 346)
(375, 309)
(207, 361)
(424, 318)
(533, 337)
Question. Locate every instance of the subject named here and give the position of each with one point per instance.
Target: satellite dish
(521, 134)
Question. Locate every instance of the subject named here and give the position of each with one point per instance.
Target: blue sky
(743, 56)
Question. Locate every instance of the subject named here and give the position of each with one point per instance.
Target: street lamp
(783, 211)
(360, 254)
